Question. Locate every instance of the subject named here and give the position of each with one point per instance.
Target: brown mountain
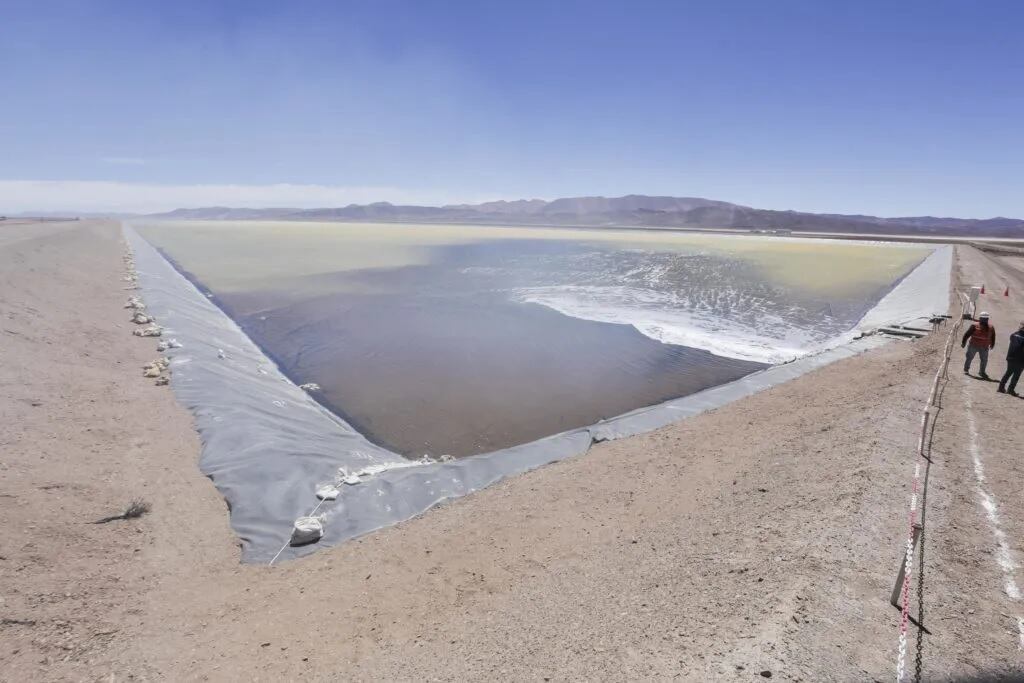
(628, 211)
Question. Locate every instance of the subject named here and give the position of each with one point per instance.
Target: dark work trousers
(1013, 370)
(971, 351)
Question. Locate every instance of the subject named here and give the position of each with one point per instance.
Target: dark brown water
(460, 375)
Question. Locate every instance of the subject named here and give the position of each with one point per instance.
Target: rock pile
(151, 331)
(168, 344)
(156, 368)
(159, 370)
(136, 303)
(130, 276)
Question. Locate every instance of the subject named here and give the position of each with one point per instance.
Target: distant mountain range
(628, 211)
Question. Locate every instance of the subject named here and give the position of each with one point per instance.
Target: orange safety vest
(981, 337)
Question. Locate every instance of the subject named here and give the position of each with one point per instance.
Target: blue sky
(890, 108)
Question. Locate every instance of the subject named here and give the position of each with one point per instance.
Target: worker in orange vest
(982, 337)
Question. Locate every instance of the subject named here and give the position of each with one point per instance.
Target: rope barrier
(908, 560)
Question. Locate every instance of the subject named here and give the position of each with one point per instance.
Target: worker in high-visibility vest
(982, 337)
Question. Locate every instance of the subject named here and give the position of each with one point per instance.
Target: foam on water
(704, 301)
(661, 316)
(745, 322)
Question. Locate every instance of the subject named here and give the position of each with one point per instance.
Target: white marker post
(975, 293)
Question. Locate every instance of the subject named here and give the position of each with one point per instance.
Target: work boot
(1001, 390)
(983, 375)
(1011, 392)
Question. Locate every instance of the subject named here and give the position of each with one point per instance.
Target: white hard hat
(983, 314)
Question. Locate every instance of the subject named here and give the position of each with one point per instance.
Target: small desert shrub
(135, 509)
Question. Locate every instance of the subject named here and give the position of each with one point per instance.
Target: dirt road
(975, 501)
(761, 537)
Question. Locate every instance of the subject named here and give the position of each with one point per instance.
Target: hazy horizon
(261, 197)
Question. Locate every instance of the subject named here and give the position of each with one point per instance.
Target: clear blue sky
(892, 108)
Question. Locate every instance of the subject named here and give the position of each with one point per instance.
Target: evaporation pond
(459, 340)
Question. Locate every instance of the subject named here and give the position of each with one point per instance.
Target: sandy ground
(761, 537)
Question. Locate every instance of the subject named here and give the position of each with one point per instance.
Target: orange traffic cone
(983, 289)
